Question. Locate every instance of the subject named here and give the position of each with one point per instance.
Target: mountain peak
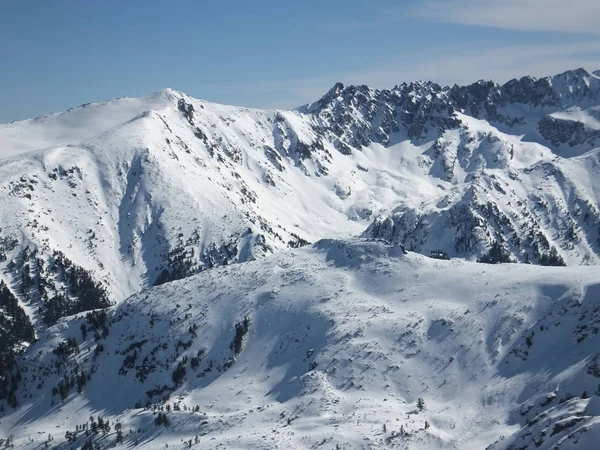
(337, 88)
(330, 96)
(333, 93)
(579, 72)
(168, 93)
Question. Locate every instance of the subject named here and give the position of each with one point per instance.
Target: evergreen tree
(15, 328)
(241, 329)
(497, 254)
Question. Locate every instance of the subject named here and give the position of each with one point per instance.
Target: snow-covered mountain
(106, 200)
(135, 188)
(327, 346)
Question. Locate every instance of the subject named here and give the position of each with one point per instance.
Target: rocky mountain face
(418, 111)
(522, 153)
(137, 192)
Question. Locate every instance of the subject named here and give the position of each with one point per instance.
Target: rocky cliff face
(358, 115)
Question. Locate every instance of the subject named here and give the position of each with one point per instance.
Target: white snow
(588, 117)
(344, 337)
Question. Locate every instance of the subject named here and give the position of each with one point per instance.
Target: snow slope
(149, 185)
(343, 339)
(74, 125)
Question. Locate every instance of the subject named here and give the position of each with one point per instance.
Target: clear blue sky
(62, 53)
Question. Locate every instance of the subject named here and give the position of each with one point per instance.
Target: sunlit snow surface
(344, 337)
